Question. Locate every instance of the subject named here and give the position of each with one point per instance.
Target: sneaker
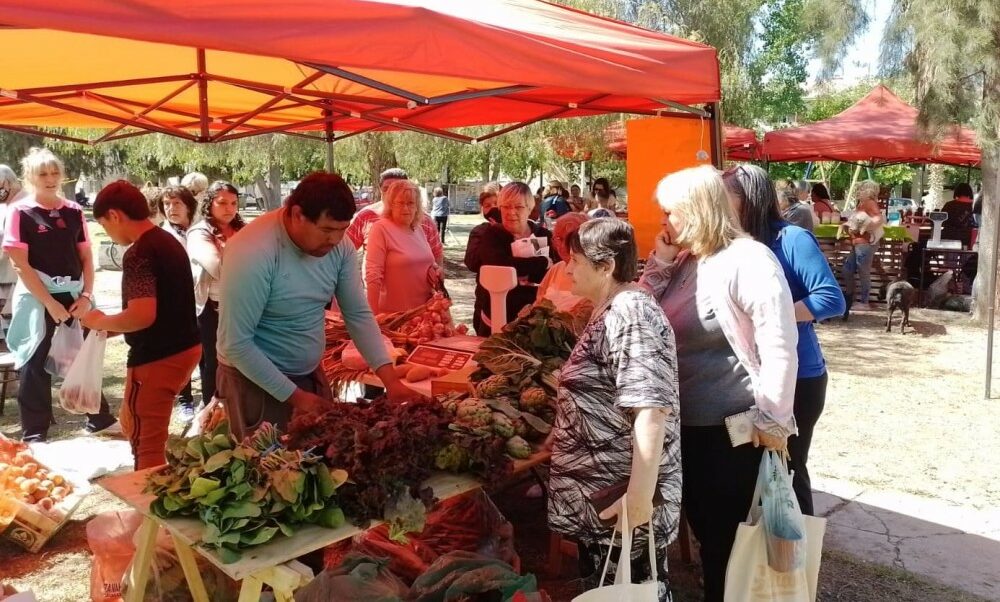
(114, 429)
(186, 412)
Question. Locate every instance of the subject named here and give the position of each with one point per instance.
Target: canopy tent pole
(993, 292)
(328, 126)
(850, 190)
(718, 156)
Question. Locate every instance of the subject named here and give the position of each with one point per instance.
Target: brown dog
(899, 295)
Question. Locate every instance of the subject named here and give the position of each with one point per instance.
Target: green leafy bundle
(247, 493)
(530, 349)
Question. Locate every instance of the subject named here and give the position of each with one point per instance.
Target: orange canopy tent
(879, 129)
(217, 70)
(738, 143)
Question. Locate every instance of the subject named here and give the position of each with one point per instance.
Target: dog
(899, 295)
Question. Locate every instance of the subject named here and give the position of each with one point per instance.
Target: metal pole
(993, 286)
(328, 126)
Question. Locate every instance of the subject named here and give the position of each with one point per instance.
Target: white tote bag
(750, 578)
(81, 389)
(624, 590)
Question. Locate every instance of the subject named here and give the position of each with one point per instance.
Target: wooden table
(271, 564)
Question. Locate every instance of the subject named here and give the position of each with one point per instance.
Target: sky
(862, 58)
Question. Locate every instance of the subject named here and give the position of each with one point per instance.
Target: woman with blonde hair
(48, 242)
(859, 260)
(400, 270)
(726, 297)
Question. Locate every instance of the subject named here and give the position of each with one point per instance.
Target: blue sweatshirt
(271, 308)
(811, 281)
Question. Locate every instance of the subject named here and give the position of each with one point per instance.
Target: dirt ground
(903, 413)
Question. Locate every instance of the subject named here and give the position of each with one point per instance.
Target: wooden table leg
(138, 571)
(250, 590)
(191, 573)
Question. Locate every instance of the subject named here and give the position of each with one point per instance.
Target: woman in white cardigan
(727, 300)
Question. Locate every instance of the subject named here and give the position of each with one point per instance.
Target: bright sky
(862, 58)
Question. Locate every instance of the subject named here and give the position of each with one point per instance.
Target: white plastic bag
(66, 344)
(624, 590)
(749, 576)
(81, 389)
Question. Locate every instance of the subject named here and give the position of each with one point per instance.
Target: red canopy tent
(739, 143)
(879, 129)
(217, 70)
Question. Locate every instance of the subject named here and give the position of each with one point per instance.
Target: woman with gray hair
(400, 270)
(859, 260)
(10, 192)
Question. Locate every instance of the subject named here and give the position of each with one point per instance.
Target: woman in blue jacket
(816, 294)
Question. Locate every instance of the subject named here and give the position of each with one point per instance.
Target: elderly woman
(47, 240)
(206, 240)
(10, 192)
(494, 248)
(557, 286)
(400, 270)
(617, 419)
(726, 297)
(178, 207)
(859, 260)
(816, 295)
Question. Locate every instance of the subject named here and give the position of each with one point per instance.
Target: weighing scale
(498, 280)
(939, 218)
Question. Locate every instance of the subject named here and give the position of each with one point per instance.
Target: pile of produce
(520, 365)
(28, 481)
(405, 330)
(244, 493)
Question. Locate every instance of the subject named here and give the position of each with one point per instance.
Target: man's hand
(80, 307)
(57, 311)
(304, 402)
(93, 319)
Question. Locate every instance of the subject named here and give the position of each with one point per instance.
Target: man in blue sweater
(278, 274)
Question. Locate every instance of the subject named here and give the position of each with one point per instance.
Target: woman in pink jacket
(726, 297)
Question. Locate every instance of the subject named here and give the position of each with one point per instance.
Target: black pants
(208, 324)
(442, 224)
(810, 397)
(719, 481)
(34, 393)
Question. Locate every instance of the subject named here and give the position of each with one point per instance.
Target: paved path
(955, 546)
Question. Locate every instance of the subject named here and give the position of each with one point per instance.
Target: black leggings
(442, 225)
(208, 324)
(719, 481)
(810, 397)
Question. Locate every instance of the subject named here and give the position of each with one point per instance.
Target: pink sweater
(396, 265)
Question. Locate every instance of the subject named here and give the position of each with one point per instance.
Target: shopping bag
(749, 575)
(80, 392)
(623, 589)
(67, 341)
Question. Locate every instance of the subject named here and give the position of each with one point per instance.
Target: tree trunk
(935, 185)
(380, 158)
(986, 278)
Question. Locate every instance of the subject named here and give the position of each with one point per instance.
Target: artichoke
(452, 458)
(503, 426)
(473, 412)
(493, 386)
(518, 447)
(534, 399)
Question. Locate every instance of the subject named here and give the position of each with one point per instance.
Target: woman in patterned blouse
(618, 407)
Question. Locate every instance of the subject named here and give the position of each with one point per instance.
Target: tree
(951, 47)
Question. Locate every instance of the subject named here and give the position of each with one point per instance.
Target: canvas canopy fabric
(219, 69)
(879, 129)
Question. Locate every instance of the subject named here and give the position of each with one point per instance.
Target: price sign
(439, 357)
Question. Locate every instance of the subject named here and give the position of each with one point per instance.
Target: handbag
(750, 574)
(623, 589)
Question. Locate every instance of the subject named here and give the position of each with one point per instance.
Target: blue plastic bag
(784, 525)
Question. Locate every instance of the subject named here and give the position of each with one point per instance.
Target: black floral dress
(625, 359)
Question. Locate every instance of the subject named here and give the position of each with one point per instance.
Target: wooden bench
(889, 263)
(7, 375)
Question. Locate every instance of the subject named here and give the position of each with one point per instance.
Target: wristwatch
(87, 296)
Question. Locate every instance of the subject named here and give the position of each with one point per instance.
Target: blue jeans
(860, 261)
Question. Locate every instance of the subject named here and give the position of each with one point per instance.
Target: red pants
(150, 390)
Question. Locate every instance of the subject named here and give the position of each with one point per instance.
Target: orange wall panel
(657, 147)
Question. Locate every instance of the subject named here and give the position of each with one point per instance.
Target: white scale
(939, 218)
